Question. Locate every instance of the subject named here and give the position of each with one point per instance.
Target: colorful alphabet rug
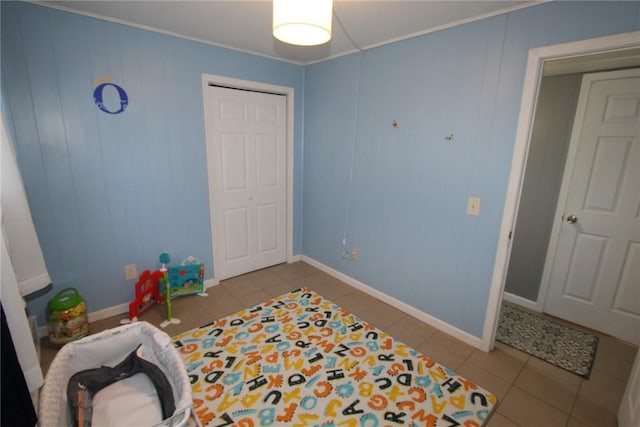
(301, 360)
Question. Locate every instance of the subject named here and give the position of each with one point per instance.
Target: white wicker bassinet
(108, 348)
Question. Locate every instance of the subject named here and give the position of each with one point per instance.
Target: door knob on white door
(572, 219)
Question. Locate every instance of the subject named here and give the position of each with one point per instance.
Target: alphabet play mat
(301, 360)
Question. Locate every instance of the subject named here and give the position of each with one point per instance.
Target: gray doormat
(562, 346)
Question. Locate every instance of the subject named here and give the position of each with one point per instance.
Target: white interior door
(247, 157)
(594, 273)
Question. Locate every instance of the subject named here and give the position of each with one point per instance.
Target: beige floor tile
(446, 350)
(511, 351)
(292, 271)
(280, 288)
(187, 302)
(576, 423)
(220, 311)
(356, 302)
(484, 379)
(333, 290)
(543, 368)
(264, 278)
(155, 315)
(216, 292)
(601, 390)
(381, 315)
(220, 303)
(240, 286)
(411, 331)
(498, 362)
(527, 411)
(318, 278)
(249, 300)
(190, 317)
(173, 329)
(610, 365)
(614, 358)
(591, 411)
(499, 420)
(613, 346)
(104, 324)
(316, 283)
(548, 388)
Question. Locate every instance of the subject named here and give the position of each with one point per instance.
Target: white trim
(282, 59)
(115, 310)
(210, 283)
(159, 31)
(294, 258)
(533, 76)
(43, 331)
(288, 92)
(94, 316)
(430, 30)
(412, 311)
(522, 302)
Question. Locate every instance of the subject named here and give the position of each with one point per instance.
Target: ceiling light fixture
(302, 22)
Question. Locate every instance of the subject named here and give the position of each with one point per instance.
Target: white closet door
(247, 154)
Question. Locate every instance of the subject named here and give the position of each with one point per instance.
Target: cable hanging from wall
(346, 252)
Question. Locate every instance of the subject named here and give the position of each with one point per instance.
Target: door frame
(288, 92)
(533, 78)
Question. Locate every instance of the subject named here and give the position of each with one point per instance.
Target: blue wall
(110, 190)
(406, 207)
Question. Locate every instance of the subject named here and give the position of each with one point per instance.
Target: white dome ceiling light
(302, 22)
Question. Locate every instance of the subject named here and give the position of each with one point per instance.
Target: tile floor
(530, 392)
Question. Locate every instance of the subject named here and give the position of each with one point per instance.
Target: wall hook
(449, 137)
(395, 124)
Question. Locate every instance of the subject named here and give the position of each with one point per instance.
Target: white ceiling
(246, 25)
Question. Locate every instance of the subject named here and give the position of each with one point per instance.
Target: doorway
(249, 142)
(589, 56)
(586, 276)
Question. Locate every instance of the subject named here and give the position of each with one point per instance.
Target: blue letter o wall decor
(113, 100)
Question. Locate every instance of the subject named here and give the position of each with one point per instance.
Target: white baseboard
(109, 312)
(294, 258)
(418, 314)
(94, 316)
(116, 310)
(523, 302)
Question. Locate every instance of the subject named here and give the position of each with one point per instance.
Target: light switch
(473, 206)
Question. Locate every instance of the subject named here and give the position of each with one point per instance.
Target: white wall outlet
(130, 272)
(473, 206)
(354, 253)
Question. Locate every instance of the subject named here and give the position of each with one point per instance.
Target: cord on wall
(344, 30)
(346, 253)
